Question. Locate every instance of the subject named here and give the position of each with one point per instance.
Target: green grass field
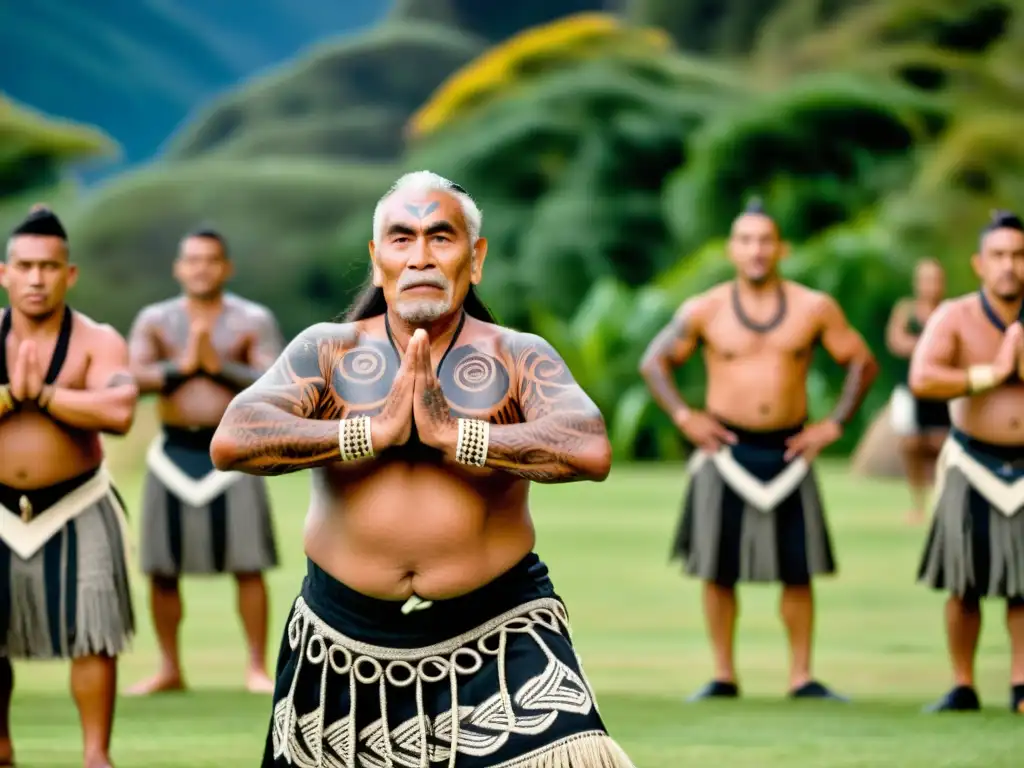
(638, 628)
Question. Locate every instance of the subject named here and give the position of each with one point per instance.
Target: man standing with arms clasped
(972, 353)
(752, 510)
(64, 380)
(198, 351)
(428, 632)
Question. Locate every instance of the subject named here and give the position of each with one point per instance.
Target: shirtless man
(921, 424)
(198, 351)
(972, 354)
(64, 380)
(424, 423)
(752, 511)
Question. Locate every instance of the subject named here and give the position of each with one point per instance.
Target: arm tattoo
(267, 346)
(855, 388)
(563, 427)
(844, 345)
(280, 424)
(656, 366)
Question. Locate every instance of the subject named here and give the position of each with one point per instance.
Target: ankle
(169, 671)
(800, 679)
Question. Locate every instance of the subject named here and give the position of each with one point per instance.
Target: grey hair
(428, 181)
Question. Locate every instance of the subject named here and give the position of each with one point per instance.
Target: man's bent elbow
(919, 383)
(224, 450)
(651, 364)
(121, 421)
(121, 416)
(595, 462)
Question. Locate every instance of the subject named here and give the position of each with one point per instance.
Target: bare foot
(256, 681)
(161, 682)
(915, 517)
(103, 761)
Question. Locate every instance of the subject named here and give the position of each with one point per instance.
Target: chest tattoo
(478, 385)
(228, 332)
(364, 375)
(475, 384)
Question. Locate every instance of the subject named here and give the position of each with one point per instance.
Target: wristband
(980, 378)
(354, 438)
(173, 377)
(7, 401)
(474, 435)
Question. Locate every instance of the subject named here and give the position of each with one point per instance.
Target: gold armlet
(355, 440)
(980, 378)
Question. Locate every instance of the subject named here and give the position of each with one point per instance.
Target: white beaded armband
(473, 438)
(980, 378)
(354, 438)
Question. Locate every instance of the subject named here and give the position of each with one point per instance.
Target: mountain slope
(136, 68)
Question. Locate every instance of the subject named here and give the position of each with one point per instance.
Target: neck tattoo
(451, 344)
(993, 317)
(756, 327)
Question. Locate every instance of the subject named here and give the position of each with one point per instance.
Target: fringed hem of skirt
(106, 624)
(584, 750)
(106, 627)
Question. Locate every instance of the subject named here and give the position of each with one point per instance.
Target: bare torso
(996, 416)
(37, 450)
(235, 332)
(756, 380)
(408, 521)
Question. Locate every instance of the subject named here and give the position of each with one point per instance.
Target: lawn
(638, 627)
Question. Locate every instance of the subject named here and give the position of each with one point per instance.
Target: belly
(766, 391)
(38, 452)
(417, 528)
(196, 403)
(996, 417)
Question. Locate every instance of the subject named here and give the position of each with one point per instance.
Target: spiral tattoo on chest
(474, 380)
(365, 373)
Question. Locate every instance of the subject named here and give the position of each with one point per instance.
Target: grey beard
(423, 311)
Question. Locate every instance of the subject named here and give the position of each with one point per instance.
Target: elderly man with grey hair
(427, 631)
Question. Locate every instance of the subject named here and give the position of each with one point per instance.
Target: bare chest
(979, 343)
(68, 372)
(230, 334)
(476, 382)
(727, 339)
